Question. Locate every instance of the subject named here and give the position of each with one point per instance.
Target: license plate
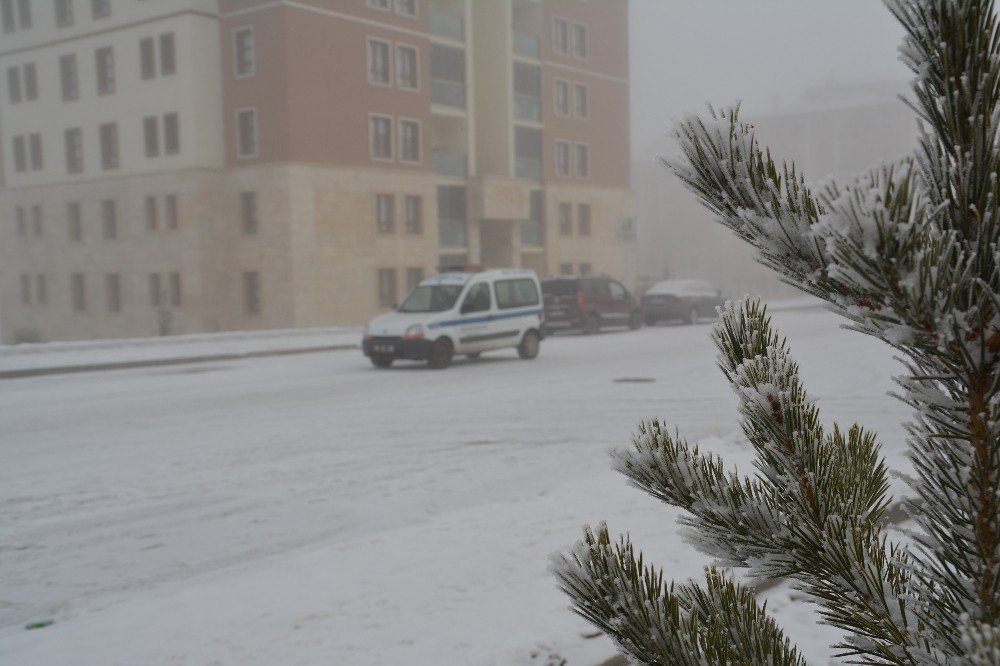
(384, 349)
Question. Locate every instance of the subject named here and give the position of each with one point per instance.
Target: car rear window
(517, 293)
(559, 287)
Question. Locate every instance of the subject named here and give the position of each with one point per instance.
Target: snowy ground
(311, 509)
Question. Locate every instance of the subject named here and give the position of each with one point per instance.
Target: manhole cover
(634, 380)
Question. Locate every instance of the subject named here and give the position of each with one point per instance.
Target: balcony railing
(527, 45)
(451, 164)
(447, 25)
(452, 233)
(528, 167)
(531, 233)
(448, 93)
(527, 107)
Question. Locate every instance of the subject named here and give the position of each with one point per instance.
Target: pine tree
(907, 253)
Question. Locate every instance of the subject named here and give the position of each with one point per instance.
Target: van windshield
(431, 298)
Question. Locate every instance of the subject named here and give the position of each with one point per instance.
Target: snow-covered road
(311, 509)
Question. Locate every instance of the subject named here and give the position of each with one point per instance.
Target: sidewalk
(32, 360)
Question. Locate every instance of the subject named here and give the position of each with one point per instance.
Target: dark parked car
(687, 300)
(588, 303)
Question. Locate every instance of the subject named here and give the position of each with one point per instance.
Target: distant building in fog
(837, 130)
(198, 166)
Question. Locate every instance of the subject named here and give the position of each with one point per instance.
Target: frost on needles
(907, 253)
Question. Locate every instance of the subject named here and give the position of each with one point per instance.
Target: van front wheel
(440, 356)
(381, 361)
(528, 349)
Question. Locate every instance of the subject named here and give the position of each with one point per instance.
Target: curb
(152, 363)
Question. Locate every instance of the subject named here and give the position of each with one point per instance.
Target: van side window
(618, 292)
(517, 293)
(478, 299)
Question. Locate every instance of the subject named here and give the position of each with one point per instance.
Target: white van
(460, 313)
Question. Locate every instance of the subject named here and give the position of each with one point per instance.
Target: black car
(588, 303)
(686, 300)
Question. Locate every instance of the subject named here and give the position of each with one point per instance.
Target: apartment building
(198, 166)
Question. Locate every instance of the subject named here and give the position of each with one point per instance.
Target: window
(170, 210)
(41, 290)
(560, 36)
(30, 82)
(251, 292)
(414, 276)
(407, 8)
(585, 268)
(25, 289)
(387, 287)
(517, 293)
(409, 140)
(384, 213)
(147, 58)
(248, 212)
(581, 164)
(20, 154)
(14, 84)
(562, 158)
(78, 292)
(175, 290)
(583, 219)
(24, 13)
(100, 8)
(105, 59)
(151, 136)
(566, 219)
(414, 214)
(378, 62)
(171, 134)
(478, 299)
(580, 101)
(244, 54)
(380, 137)
(109, 145)
(74, 222)
(381, 5)
(562, 97)
(114, 287)
(68, 77)
(580, 45)
(35, 151)
(618, 292)
(452, 222)
(64, 13)
(73, 138)
(168, 55)
(151, 216)
(246, 132)
(109, 219)
(36, 219)
(7, 15)
(155, 291)
(22, 221)
(406, 67)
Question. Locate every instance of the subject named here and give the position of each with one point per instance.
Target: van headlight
(415, 332)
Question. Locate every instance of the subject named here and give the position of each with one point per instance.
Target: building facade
(201, 166)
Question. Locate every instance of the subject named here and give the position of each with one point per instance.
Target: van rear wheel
(528, 349)
(592, 326)
(440, 356)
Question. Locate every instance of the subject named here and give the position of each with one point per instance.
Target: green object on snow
(38, 625)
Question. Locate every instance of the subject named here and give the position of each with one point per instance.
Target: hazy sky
(764, 52)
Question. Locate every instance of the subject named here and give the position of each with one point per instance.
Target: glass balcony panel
(528, 167)
(452, 233)
(451, 164)
(527, 108)
(448, 93)
(447, 25)
(531, 233)
(527, 45)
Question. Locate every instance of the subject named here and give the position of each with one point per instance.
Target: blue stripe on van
(484, 318)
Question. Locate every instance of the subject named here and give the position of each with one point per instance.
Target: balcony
(527, 107)
(447, 25)
(448, 93)
(454, 165)
(452, 233)
(532, 234)
(527, 45)
(528, 167)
